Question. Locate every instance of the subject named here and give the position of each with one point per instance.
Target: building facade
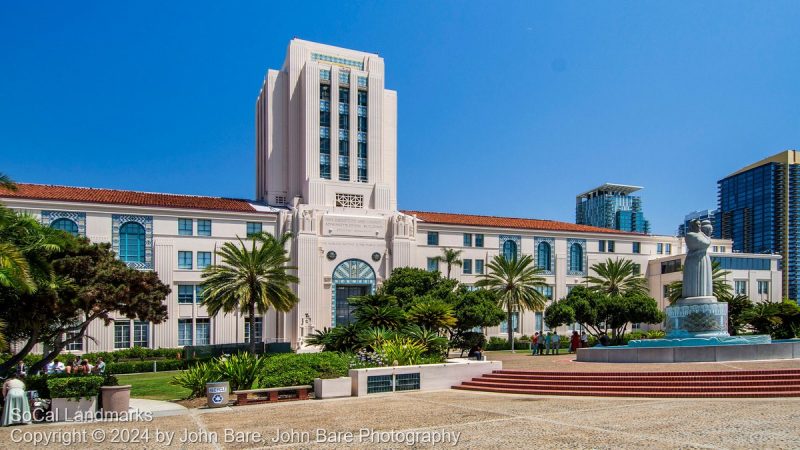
(759, 207)
(325, 172)
(705, 214)
(612, 206)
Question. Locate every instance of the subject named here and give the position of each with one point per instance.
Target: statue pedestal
(699, 317)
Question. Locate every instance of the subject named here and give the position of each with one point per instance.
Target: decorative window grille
(379, 383)
(325, 75)
(338, 61)
(362, 82)
(349, 200)
(344, 77)
(406, 382)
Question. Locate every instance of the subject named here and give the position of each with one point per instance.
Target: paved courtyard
(482, 420)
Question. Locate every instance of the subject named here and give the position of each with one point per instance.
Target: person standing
(16, 409)
(584, 339)
(535, 344)
(575, 342)
(547, 341)
(556, 342)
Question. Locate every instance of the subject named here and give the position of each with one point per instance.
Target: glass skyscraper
(706, 214)
(611, 206)
(759, 209)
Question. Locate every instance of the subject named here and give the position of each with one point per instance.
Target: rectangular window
(184, 260)
(184, 331)
(467, 239)
(714, 249)
(203, 227)
(763, 287)
(324, 131)
(665, 291)
(185, 227)
(668, 249)
(660, 248)
(202, 332)
(671, 266)
(433, 264)
(611, 246)
(479, 240)
(467, 266)
(601, 247)
(344, 96)
(76, 345)
(185, 294)
(479, 266)
(637, 269)
(344, 77)
(259, 329)
(198, 293)
(433, 238)
(203, 260)
(637, 247)
(141, 334)
(325, 74)
(122, 333)
(253, 228)
(740, 287)
(514, 323)
(547, 291)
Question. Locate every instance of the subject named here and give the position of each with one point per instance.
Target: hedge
(162, 365)
(291, 369)
(75, 387)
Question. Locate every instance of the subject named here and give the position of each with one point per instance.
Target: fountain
(696, 324)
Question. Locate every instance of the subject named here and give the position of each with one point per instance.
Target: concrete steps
(745, 383)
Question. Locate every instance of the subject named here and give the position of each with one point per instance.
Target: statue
(697, 278)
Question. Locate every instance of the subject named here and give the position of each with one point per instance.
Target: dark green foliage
(468, 340)
(241, 370)
(476, 308)
(434, 344)
(407, 284)
(75, 387)
(196, 377)
(737, 306)
(387, 316)
(431, 313)
(779, 320)
(302, 368)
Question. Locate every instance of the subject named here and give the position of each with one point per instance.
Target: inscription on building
(353, 226)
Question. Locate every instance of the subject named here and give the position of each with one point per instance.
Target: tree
(781, 320)
(433, 314)
(738, 306)
(25, 248)
(599, 312)
(408, 284)
(720, 285)
(7, 183)
(88, 284)
(251, 279)
(451, 258)
(616, 277)
(517, 284)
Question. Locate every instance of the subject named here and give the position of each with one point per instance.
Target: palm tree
(616, 277)
(720, 285)
(7, 183)
(451, 258)
(25, 245)
(517, 284)
(251, 279)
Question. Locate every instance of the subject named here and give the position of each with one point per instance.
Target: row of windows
(469, 239)
(734, 263)
(344, 135)
(194, 332)
(663, 249)
(185, 227)
(190, 293)
(123, 329)
(606, 246)
(467, 266)
(185, 260)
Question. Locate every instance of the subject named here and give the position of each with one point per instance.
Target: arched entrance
(351, 278)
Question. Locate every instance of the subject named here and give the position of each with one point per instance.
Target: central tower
(326, 130)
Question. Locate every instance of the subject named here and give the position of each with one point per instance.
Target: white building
(326, 170)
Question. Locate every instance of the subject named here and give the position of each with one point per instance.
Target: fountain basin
(783, 349)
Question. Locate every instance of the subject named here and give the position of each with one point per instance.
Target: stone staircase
(740, 383)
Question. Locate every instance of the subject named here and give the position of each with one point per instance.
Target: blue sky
(505, 108)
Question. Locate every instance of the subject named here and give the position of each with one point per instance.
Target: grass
(154, 386)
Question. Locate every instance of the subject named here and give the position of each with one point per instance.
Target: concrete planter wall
(788, 349)
(431, 376)
(116, 399)
(332, 387)
(68, 409)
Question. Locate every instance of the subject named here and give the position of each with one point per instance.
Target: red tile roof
(132, 198)
(508, 222)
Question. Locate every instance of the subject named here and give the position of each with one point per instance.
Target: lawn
(154, 386)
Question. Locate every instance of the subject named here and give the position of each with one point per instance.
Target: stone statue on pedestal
(697, 278)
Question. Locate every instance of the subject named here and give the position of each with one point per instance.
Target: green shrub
(403, 351)
(240, 370)
(75, 387)
(291, 369)
(468, 340)
(162, 365)
(195, 378)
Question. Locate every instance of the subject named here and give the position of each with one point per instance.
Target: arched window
(543, 256)
(576, 258)
(65, 225)
(510, 250)
(131, 242)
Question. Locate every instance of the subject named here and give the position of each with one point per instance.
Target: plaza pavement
(484, 420)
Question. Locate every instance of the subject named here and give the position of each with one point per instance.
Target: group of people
(78, 366)
(550, 343)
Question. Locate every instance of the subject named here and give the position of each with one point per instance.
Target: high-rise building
(759, 209)
(611, 206)
(704, 214)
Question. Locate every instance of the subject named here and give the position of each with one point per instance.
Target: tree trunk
(510, 328)
(448, 270)
(20, 355)
(252, 321)
(59, 347)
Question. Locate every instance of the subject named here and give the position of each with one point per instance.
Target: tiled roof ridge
(133, 191)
